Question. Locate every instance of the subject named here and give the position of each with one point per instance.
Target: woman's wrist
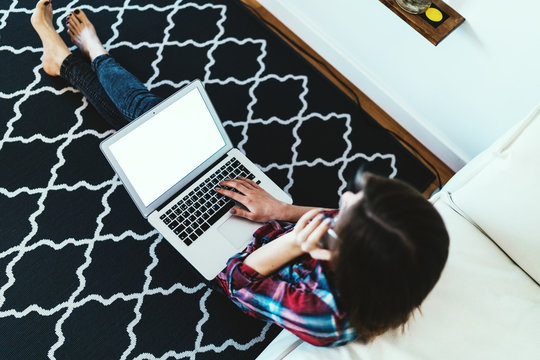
(292, 213)
(272, 256)
(291, 245)
(285, 212)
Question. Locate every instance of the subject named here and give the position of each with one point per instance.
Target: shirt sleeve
(298, 307)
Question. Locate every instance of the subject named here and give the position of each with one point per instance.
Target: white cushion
(503, 196)
(483, 307)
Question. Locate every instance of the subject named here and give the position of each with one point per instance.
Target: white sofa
(487, 302)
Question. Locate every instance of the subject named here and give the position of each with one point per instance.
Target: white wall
(457, 97)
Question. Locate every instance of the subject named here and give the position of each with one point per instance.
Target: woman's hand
(302, 239)
(309, 230)
(261, 205)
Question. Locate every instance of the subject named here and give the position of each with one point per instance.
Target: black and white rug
(82, 275)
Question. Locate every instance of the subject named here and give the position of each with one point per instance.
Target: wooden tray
(434, 32)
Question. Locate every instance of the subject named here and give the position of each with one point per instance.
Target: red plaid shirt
(298, 297)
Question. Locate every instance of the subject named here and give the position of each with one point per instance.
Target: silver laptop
(170, 161)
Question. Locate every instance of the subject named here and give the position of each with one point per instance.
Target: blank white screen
(160, 152)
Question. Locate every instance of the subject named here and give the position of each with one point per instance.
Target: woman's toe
(81, 16)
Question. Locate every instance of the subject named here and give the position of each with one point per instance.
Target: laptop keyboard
(190, 217)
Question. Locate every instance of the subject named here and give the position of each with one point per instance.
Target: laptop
(170, 161)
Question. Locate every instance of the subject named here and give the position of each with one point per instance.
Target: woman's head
(391, 251)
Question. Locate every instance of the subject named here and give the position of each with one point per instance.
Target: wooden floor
(369, 106)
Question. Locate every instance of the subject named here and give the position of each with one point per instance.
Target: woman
(390, 250)
(390, 244)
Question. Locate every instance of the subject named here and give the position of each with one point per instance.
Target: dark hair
(392, 248)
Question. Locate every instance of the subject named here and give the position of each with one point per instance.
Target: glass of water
(414, 6)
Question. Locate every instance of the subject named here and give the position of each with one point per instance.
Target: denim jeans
(118, 96)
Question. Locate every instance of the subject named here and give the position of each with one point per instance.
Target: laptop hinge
(191, 182)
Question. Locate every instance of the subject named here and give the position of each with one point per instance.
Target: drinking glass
(414, 6)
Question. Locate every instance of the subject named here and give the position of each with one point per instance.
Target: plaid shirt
(298, 297)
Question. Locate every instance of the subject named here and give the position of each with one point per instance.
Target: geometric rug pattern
(82, 275)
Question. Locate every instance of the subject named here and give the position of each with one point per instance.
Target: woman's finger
(302, 222)
(321, 254)
(251, 182)
(303, 234)
(235, 184)
(243, 213)
(312, 240)
(231, 194)
(248, 183)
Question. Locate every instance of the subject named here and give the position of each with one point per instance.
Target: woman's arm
(304, 307)
(293, 213)
(261, 205)
(302, 239)
(274, 255)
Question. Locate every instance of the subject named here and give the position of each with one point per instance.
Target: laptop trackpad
(238, 231)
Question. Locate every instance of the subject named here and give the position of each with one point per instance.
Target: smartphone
(329, 239)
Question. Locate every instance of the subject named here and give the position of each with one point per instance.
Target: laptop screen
(163, 150)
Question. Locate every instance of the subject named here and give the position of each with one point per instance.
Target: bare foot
(83, 34)
(54, 48)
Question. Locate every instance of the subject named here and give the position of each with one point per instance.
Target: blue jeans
(118, 96)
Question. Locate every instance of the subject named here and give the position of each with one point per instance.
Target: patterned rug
(82, 275)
